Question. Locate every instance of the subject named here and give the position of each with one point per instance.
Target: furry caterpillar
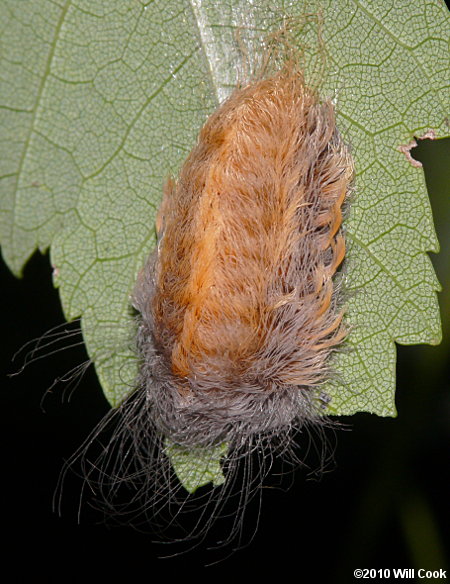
(239, 305)
(239, 311)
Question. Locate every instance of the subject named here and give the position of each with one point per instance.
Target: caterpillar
(239, 305)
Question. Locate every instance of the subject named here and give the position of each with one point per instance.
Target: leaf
(198, 467)
(101, 101)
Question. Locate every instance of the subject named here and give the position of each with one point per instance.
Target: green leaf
(101, 101)
(198, 467)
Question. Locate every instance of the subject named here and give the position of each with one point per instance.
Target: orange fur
(236, 217)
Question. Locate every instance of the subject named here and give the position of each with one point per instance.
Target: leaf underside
(199, 467)
(101, 101)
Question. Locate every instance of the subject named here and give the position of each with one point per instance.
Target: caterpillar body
(239, 308)
(239, 305)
